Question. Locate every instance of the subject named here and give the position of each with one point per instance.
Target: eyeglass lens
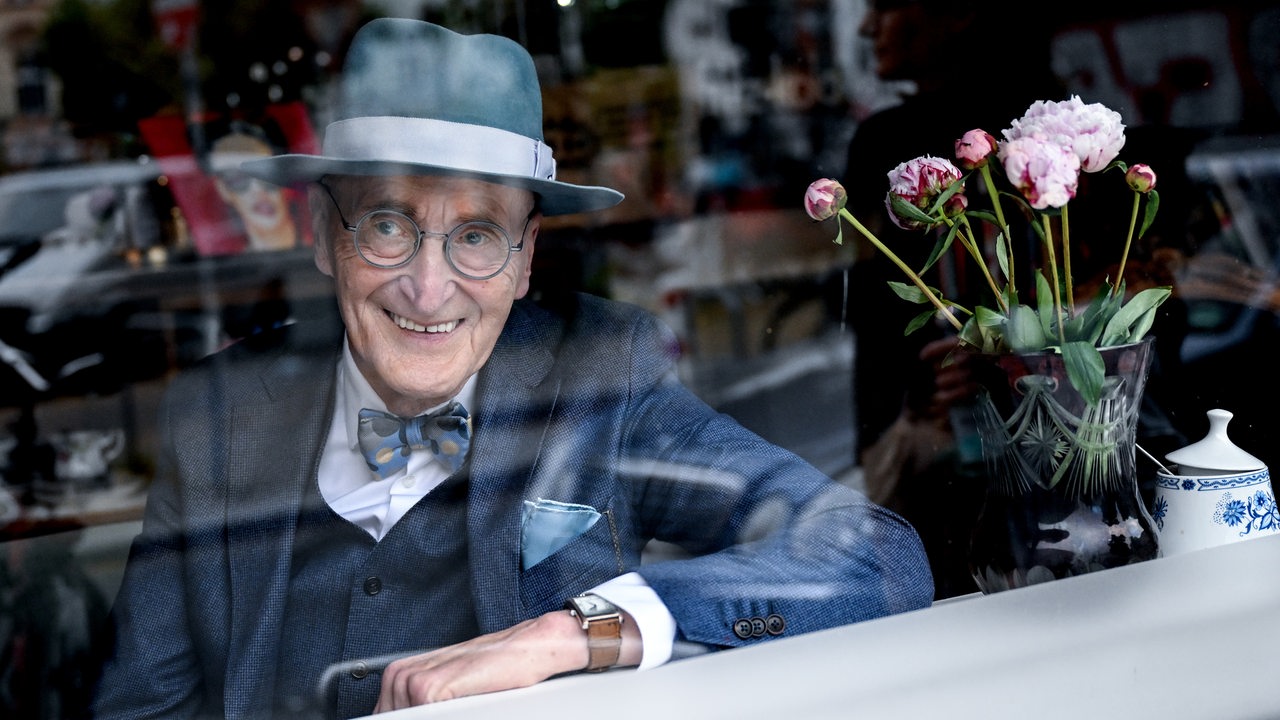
(476, 249)
(236, 182)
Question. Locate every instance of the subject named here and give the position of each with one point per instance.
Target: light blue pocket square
(548, 525)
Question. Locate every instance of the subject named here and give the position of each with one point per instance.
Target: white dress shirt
(375, 505)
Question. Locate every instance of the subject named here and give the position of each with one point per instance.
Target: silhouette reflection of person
(953, 56)
(264, 209)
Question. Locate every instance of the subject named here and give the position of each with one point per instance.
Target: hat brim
(555, 197)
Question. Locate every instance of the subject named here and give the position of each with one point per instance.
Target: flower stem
(1066, 260)
(970, 243)
(1053, 270)
(1004, 226)
(1124, 257)
(844, 213)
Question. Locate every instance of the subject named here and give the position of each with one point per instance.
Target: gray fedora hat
(419, 99)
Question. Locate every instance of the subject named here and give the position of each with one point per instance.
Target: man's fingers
(516, 657)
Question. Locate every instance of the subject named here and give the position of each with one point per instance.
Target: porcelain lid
(1216, 451)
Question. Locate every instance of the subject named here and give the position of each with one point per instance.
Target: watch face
(593, 605)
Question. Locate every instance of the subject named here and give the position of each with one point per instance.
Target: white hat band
(441, 143)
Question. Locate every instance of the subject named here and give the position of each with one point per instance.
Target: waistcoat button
(372, 586)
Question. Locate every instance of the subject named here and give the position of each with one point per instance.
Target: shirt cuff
(657, 627)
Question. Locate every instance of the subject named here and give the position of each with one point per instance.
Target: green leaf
(1098, 312)
(1133, 320)
(1002, 254)
(971, 332)
(1142, 325)
(909, 292)
(1085, 369)
(1073, 328)
(987, 317)
(940, 247)
(1024, 332)
(1044, 302)
(906, 211)
(944, 196)
(1153, 205)
(984, 215)
(919, 321)
(976, 336)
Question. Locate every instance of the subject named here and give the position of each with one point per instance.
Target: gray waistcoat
(353, 600)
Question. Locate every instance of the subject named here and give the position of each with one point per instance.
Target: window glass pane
(133, 250)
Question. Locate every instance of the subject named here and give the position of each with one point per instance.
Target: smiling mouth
(407, 324)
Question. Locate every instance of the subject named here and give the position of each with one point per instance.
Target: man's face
(417, 332)
(909, 40)
(260, 204)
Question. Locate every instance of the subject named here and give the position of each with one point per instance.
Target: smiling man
(455, 498)
(418, 332)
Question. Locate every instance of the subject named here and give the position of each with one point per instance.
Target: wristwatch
(603, 622)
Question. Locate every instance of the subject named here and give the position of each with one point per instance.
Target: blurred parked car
(66, 235)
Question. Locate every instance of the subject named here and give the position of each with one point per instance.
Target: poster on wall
(227, 212)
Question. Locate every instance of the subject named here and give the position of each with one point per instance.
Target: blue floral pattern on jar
(1255, 512)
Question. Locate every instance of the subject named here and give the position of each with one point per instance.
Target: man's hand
(952, 381)
(519, 656)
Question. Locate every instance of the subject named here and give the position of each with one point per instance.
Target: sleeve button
(774, 624)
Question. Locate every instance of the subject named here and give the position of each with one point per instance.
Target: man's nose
(430, 274)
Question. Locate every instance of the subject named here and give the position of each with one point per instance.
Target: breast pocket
(585, 561)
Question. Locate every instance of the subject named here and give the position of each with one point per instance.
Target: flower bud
(918, 183)
(1141, 178)
(974, 149)
(824, 198)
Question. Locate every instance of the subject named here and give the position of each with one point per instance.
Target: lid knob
(1215, 454)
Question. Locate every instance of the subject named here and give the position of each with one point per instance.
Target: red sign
(176, 21)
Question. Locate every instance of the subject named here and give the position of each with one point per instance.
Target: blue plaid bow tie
(386, 440)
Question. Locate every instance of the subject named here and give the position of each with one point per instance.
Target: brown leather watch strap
(602, 620)
(604, 643)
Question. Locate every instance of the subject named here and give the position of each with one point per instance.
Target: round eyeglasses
(477, 250)
(238, 182)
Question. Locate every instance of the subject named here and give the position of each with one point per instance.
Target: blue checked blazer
(577, 404)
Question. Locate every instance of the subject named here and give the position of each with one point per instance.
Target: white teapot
(1214, 493)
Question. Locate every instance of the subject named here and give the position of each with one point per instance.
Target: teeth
(408, 324)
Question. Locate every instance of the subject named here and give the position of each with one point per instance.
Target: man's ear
(530, 240)
(320, 230)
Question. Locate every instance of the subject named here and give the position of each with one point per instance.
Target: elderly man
(301, 535)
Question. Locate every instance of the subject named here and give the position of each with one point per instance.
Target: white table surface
(1192, 636)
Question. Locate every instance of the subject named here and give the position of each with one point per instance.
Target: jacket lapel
(269, 464)
(516, 400)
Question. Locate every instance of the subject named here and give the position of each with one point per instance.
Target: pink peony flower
(919, 182)
(1093, 132)
(1141, 178)
(1042, 155)
(1046, 173)
(824, 198)
(975, 149)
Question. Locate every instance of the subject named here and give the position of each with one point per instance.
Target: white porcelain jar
(1213, 493)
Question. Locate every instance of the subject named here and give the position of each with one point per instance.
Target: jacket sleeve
(777, 547)
(154, 671)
